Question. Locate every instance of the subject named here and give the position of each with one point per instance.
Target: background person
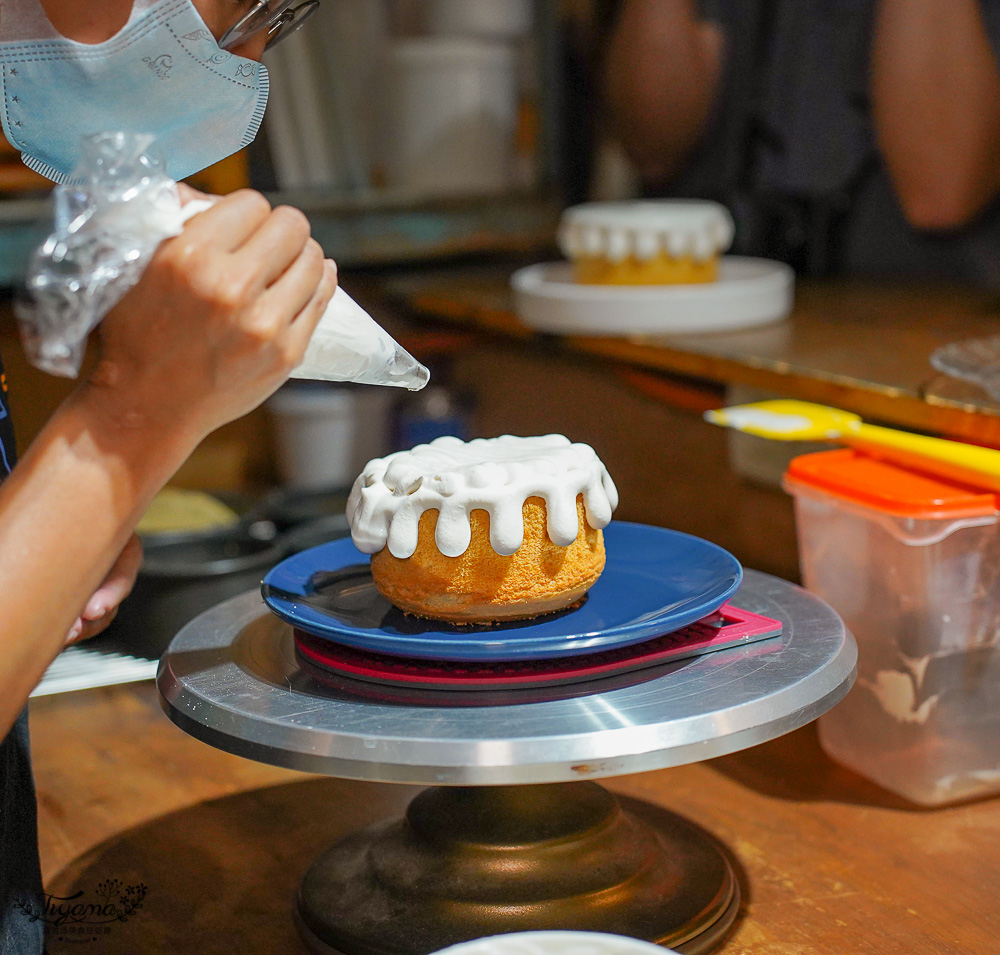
(854, 136)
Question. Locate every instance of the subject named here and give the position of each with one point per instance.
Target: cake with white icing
(646, 241)
(493, 529)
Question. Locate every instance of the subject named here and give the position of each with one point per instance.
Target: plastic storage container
(452, 114)
(912, 564)
(325, 434)
(489, 19)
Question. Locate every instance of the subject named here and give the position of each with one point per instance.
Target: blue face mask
(162, 74)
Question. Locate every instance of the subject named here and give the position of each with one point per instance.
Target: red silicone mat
(728, 627)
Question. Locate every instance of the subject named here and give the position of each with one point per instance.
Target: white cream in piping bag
(348, 344)
(496, 475)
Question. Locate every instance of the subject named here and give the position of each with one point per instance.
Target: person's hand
(103, 605)
(221, 316)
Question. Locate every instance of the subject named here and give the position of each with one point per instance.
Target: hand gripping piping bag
(119, 207)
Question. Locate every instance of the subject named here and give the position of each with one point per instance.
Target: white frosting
(496, 475)
(644, 228)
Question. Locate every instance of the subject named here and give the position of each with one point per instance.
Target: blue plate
(655, 581)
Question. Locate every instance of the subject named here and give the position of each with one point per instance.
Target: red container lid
(884, 486)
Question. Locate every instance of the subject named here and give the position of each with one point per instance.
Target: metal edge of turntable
(666, 721)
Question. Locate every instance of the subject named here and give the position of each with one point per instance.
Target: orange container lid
(888, 487)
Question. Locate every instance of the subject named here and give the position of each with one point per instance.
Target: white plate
(556, 943)
(748, 292)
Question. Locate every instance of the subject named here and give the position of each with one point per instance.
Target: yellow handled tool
(789, 420)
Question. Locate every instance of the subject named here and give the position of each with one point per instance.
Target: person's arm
(103, 605)
(220, 318)
(662, 71)
(936, 108)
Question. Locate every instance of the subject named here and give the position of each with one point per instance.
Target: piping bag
(119, 206)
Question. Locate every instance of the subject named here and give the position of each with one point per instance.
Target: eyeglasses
(278, 17)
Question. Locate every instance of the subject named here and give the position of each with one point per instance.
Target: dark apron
(21, 932)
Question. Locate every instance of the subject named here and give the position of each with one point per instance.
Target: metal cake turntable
(513, 835)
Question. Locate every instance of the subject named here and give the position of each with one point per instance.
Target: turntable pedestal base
(467, 862)
(517, 839)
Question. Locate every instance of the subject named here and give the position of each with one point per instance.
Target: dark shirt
(20, 876)
(791, 148)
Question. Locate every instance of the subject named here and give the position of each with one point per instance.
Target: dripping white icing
(646, 227)
(496, 475)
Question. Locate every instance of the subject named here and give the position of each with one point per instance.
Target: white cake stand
(749, 292)
(513, 836)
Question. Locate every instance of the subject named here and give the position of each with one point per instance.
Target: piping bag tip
(410, 373)
(400, 370)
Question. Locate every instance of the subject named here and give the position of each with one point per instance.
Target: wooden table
(858, 345)
(831, 865)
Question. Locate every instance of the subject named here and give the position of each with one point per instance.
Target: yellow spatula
(788, 420)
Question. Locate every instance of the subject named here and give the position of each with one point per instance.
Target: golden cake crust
(661, 270)
(480, 585)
